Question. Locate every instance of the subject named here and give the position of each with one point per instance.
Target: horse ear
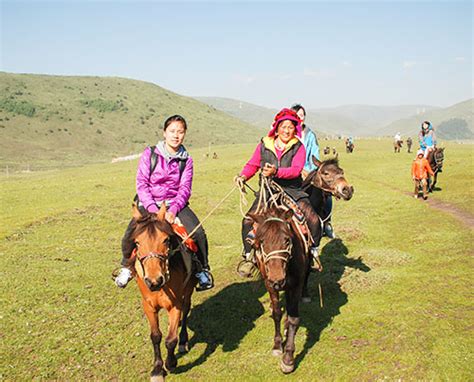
(315, 161)
(136, 212)
(162, 212)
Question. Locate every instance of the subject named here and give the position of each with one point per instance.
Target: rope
(210, 213)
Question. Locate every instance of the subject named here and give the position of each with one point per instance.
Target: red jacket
(421, 168)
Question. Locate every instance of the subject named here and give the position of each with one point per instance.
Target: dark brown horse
(282, 261)
(397, 145)
(328, 179)
(163, 281)
(435, 159)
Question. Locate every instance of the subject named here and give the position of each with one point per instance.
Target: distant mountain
(454, 122)
(49, 121)
(356, 120)
(368, 119)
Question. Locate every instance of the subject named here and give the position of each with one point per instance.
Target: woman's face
(174, 135)
(286, 131)
(301, 114)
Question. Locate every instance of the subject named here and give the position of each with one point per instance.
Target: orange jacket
(420, 169)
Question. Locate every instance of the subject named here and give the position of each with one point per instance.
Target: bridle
(162, 257)
(276, 254)
(324, 186)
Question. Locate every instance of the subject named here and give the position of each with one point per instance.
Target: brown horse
(328, 179)
(397, 145)
(435, 159)
(164, 283)
(282, 261)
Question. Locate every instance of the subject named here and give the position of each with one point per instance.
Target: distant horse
(164, 283)
(214, 156)
(327, 150)
(409, 144)
(435, 159)
(349, 146)
(397, 145)
(282, 261)
(328, 179)
(334, 151)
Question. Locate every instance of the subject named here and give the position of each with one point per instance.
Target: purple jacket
(165, 184)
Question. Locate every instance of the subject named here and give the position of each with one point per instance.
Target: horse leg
(174, 315)
(158, 373)
(435, 179)
(183, 334)
(287, 363)
(276, 315)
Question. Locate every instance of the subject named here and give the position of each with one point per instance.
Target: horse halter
(276, 253)
(154, 255)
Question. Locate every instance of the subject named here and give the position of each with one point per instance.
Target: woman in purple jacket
(169, 183)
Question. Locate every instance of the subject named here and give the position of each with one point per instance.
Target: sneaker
(205, 280)
(315, 262)
(415, 196)
(329, 231)
(124, 276)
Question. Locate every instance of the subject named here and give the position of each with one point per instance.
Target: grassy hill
(454, 122)
(51, 121)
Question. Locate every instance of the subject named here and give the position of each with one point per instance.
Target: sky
(321, 54)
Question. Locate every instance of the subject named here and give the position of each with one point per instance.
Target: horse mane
(150, 223)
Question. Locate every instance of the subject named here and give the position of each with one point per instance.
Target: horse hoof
(277, 352)
(157, 378)
(306, 299)
(184, 348)
(286, 369)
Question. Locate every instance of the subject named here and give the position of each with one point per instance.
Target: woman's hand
(239, 181)
(268, 170)
(170, 217)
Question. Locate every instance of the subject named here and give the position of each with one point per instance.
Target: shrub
(18, 107)
(100, 105)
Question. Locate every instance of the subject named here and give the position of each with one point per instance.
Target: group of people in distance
(421, 168)
(285, 155)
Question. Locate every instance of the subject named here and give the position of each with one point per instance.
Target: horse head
(152, 236)
(439, 157)
(329, 177)
(273, 244)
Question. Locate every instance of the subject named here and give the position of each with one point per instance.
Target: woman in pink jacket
(170, 182)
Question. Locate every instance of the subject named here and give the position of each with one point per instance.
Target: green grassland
(397, 283)
(56, 121)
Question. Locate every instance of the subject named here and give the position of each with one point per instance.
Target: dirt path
(464, 217)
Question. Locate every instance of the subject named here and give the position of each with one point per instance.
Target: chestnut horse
(282, 261)
(164, 283)
(397, 145)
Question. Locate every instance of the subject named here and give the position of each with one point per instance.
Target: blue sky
(322, 54)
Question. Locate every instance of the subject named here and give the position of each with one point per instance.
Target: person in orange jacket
(419, 171)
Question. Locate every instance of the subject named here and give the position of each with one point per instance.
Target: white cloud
(460, 59)
(246, 79)
(317, 73)
(346, 64)
(286, 76)
(409, 64)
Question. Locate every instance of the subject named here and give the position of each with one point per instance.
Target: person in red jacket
(419, 171)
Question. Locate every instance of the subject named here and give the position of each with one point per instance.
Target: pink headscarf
(286, 115)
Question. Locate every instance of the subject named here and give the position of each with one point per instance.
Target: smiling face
(286, 131)
(301, 114)
(174, 135)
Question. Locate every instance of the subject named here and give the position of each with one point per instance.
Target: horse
(397, 145)
(282, 261)
(435, 159)
(409, 144)
(328, 179)
(349, 146)
(327, 150)
(161, 275)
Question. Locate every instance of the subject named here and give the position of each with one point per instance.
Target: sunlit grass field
(397, 283)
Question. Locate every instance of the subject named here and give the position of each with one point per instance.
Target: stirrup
(202, 287)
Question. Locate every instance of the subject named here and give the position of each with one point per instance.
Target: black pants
(189, 220)
(304, 204)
